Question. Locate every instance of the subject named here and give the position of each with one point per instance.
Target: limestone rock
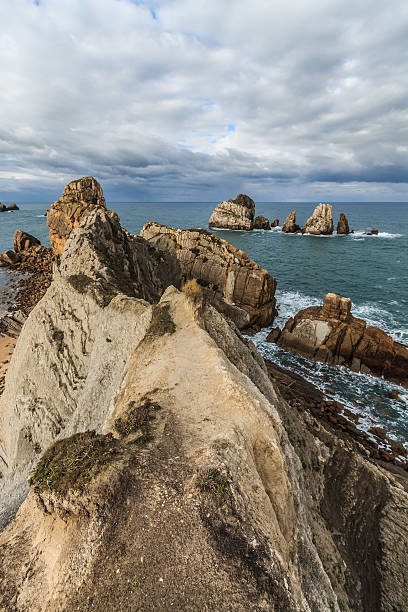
(79, 199)
(321, 221)
(235, 214)
(343, 225)
(24, 241)
(262, 223)
(275, 223)
(331, 334)
(290, 226)
(235, 284)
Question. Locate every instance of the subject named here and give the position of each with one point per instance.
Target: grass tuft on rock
(161, 322)
(192, 289)
(214, 482)
(70, 464)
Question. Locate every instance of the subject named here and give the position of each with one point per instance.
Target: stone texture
(321, 221)
(331, 334)
(80, 197)
(214, 493)
(234, 283)
(275, 223)
(262, 223)
(8, 258)
(24, 241)
(290, 226)
(235, 214)
(343, 225)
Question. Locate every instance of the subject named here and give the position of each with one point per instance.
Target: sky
(198, 100)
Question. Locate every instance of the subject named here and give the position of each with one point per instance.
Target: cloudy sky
(201, 99)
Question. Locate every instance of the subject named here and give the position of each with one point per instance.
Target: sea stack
(331, 334)
(262, 223)
(290, 226)
(321, 222)
(235, 214)
(343, 225)
(80, 197)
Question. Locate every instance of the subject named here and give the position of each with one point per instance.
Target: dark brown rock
(275, 223)
(262, 223)
(12, 206)
(24, 241)
(290, 226)
(9, 258)
(343, 225)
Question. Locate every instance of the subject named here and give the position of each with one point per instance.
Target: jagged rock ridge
(236, 285)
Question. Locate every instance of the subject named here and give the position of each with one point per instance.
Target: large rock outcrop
(321, 221)
(234, 283)
(331, 334)
(24, 241)
(235, 214)
(79, 199)
(290, 226)
(171, 481)
(262, 223)
(343, 225)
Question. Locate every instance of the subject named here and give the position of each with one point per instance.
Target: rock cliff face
(171, 481)
(80, 197)
(331, 334)
(235, 214)
(343, 225)
(234, 283)
(262, 223)
(290, 226)
(321, 222)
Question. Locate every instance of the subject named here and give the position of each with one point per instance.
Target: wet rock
(233, 283)
(290, 226)
(378, 432)
(275, 223)
(343, 225)
(321, 221)
(79, 199)
(273, 334)
(373, 232)
(24, 241)
(235, 214)
(394, 395)
(331, 334)
(262, 223)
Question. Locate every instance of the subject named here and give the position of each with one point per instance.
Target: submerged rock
(343, 225)
(332, 334)
(373, 232)
(234, 283)
(79, 199)
(235, 214)
(321, 221)
(262, 223)
(290, 226)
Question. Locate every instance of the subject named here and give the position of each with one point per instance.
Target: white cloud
(200, 100)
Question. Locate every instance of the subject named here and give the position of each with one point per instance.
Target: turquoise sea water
(371, 270)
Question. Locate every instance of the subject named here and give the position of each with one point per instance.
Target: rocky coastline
(158, 462)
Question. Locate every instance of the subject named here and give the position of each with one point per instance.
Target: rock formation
(235, 214)
(374, 232)
(166, 471)
(275, 223)
(262, 223)
(24, 241)
(331, 334)
(343, 225)
(4, 208)
(80, 197)
(321, 221)
(290, 226)
(234, 283)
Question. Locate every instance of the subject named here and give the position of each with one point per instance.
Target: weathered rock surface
(79, 199)
(331, 334)
(290, 226)
(343, 225)
(24, 241)
(275, 223)
(235, 284)
(191, 495)
(262, 223)
(321, 221)
(235, 214)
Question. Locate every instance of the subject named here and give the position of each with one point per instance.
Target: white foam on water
(363, 233)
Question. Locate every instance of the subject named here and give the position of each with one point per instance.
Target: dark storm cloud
(200, 100)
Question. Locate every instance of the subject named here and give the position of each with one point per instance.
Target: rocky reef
(235, 214)
(80, 197)
(331, 334)
(164, 468)
(321, 221)
(233, 283)
(290, 226)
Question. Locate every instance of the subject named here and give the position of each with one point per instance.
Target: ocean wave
(363, 233)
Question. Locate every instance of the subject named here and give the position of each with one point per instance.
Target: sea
(371, 270)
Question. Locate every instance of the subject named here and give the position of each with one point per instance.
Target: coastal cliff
(166, 469)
